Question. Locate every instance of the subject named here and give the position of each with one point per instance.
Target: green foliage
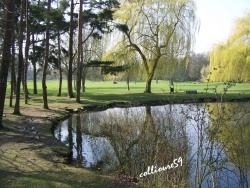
(122, 27)
(233, 131)
(113, 70)
(231, 60)
(95, 63)
(108, 67)
(158, 31)
(99, 15)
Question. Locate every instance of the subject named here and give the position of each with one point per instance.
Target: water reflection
(231, 121)
(133, 141)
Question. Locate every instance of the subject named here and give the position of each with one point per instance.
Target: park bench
(191, 91)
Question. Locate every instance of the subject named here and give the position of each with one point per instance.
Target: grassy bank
(31, 157)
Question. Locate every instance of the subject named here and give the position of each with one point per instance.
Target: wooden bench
(191, 92)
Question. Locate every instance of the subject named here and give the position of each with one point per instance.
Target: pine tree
(20, 58)
(6, 53)
(46, 60)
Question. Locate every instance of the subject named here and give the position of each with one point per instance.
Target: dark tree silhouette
(6, 53)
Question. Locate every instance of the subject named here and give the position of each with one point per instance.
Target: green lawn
(104, 92)
(105, 87)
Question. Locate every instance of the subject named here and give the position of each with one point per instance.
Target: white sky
(217, 18)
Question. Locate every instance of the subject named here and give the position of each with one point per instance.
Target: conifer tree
(6, 52)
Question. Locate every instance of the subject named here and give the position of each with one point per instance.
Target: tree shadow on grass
(50, 179)
(31, 157)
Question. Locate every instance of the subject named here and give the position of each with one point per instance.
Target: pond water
(181, 145)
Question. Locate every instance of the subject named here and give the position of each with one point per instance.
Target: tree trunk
(34, 65)
(79, 57)
(27, 46)
(46, 61)
(83, 80)
(13, 72)
(70, 88)
(60, 82)
(148, 85)
(128, 79)
(59, 64)
(6, 56)
(20, 60)
(150, 75)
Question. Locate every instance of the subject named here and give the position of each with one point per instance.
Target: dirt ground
(31, 157)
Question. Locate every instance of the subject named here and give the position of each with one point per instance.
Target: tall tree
(97, 21)
(37, 29)
(13, 70)
(20, 58)
(58, 29)
(6, 53)
(79, 54)
(59, 56)
(46, 60)
(34, 64)
(27, 46)
(59, 62)
(70, 64)
(152, 26)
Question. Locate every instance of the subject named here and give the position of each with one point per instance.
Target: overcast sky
(217, 19)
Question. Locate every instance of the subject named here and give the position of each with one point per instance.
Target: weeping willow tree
(231, 61)
(125, 58)
(152, 27)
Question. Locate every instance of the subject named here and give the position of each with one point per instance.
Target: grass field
(107, 87)
(105, 92)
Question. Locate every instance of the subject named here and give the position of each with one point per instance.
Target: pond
(180, 145)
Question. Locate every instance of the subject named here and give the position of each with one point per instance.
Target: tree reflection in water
(147, 140)
(230, 126)
(128, 141)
